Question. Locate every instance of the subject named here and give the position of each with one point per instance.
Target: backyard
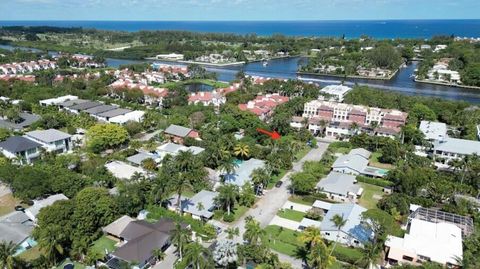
(374, 161)
(370, 196)
(291, 214)
(102, 245)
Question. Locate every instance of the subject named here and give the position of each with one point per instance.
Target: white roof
(336, 89)
(39, 204)
(136, 116)
(322, 205)
(433, 130)
(441, 242)
(48, 136)
(306, 222)
(123, 170)
(458, 146)
(243, 171)
(414, 207)
(58, 100)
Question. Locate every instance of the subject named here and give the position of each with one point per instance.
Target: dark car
(69, 266)
(19, 208)
(278, 184)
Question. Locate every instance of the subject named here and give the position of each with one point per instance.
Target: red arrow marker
(273, 135)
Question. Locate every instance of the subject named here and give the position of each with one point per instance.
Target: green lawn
(291, 214)
(31, 254)
(301, 153)
(239, 211)
(299, 200)
(103, 243)
(369, 191)
(376, 163)
(283, 240)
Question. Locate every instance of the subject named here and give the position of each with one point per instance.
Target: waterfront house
(433, 131)
(21, 149)
(336, 92)
(52, 140)
(455, 148)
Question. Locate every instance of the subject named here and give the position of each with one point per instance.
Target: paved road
(269, 204)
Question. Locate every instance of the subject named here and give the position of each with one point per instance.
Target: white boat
(265, 63)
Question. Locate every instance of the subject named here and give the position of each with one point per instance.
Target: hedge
(375, 181)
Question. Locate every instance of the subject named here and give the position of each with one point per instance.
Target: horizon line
(288, 20)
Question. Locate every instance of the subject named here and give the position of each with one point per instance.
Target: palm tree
(311, 236)
(227, 167)
(241, 150)
(198, 256)
(227, 196)
(50, 244)
(232, 232)
(339, 222)
(260, 177)
(200, 206)
(180, 238)
(7, 250)
(158, 254)
(370, 253)
(254, 234)
(183, 164)
(318, 258)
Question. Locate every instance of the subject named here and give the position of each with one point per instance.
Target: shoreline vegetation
(426, 81)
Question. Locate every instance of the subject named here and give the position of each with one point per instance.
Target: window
(407, 258)
(327, 233)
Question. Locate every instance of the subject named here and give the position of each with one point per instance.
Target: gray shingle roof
(15, 227)
(85, 105)
(361, 152)
(70, 103)
(177, 130)
(339, 183)
(48, 136)
(17, 144)
(28, 119)
(140, 157)
(242, 173)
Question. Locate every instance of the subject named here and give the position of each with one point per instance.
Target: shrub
(228, 218)
(375, 181)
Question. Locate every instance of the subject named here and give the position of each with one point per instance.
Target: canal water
(287, 67)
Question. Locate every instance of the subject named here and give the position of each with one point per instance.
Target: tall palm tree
(227, 166)
(254, 234)
(227, 196)
(339, 222)
(180, 238)
(370, 253)
(311, 236)
(260, 177)
(183, 164)
(7, 250)
(242, 150)
(158, 254)
(198, 256)
(318, 258)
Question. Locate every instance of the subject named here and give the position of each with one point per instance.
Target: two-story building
(52, 140)
(19, 148)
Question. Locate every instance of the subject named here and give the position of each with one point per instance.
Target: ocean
(380, 29)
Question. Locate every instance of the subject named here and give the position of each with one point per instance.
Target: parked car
(278, 184)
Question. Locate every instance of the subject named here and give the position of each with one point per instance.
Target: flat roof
(433, 130)
(114, 113)
(85, 105)
(48, 136)
(140, 157)
(458, 146)
(123, 170)
(100, 109)
(441, 242)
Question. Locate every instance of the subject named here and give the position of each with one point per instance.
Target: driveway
(169, 261)
(285, 223)
(269, 204)
(296, 207)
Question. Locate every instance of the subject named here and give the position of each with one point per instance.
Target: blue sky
(237, 9)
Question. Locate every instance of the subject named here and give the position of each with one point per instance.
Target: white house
(19, 148)
(337, 92)
(426, 241)
(52, 140)
(200, 206)
(340, 187)
(170, 57)
(433, 131)
(353, 233)
(454, 148)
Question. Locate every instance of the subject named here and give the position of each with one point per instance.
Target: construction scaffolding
(437, 216)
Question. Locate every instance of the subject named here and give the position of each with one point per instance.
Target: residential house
(173, 149)
(356, 163)
(19, 148)
(340, 187)
(207, 98)
(138, 239)
(200, 206)
(297, 122)
(125, 171)
(263, 105)
(52, 140)
(57, 100)
(354, 233)
(177, 134)
(17, 227)
(243, 172)
(33, 211)
(455, 148)
(426, 241)
(170, 57)
(433, 131)
(26, 120)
